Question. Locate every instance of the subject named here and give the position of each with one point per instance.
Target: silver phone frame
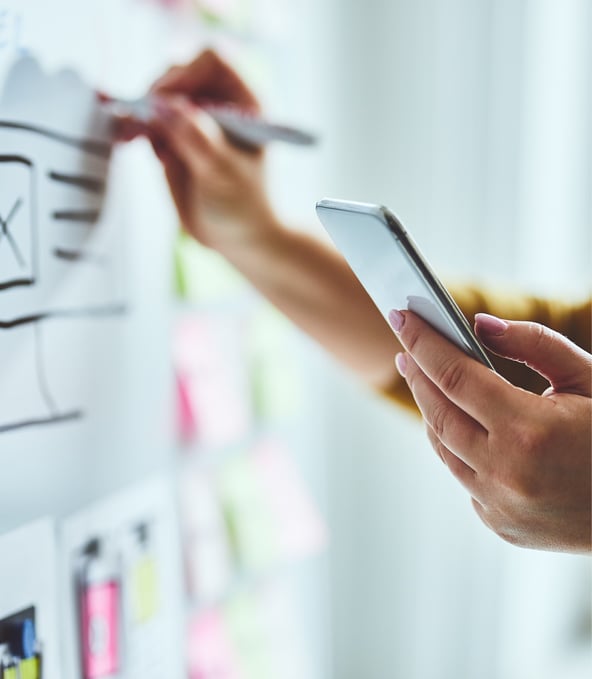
(442, 297)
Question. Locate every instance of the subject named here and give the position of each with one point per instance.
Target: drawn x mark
(4, 231)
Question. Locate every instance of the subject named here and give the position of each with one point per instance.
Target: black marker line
(41, 374)
(13, 211)
(97, 148)
(16, 159)
(86, 216)
(32, 204)
(91, 312)
(41, 421)
(15, 250)
(17, 281)
(4, 224)
(79, 181)
(79, 256)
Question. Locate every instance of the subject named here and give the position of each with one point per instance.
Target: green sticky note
(247, 631)
(251, 525)
(275, 386)
(201, 274)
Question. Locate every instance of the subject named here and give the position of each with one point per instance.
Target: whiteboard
(85, 237)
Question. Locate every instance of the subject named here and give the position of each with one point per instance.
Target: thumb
(567, 367)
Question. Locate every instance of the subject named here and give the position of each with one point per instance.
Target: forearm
(313, 286)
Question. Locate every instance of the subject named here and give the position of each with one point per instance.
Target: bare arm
(312, 285)
(219, 191)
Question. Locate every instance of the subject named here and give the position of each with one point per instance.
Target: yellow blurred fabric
(570, 319)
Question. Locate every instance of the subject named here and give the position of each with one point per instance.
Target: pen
(244, 127)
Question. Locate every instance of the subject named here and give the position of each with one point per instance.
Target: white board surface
(84, 258)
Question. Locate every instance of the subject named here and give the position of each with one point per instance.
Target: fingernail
(396, 320)
(401, 363)
(491, 325)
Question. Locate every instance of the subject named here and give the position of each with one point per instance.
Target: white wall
(471, 120)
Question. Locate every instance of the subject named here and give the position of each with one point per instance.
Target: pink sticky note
(100, 629)
(207, 355)
(301, 530)
(186, 420)
(211, 654)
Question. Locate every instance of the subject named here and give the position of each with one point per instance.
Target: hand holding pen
(216, 175)
(215, 88)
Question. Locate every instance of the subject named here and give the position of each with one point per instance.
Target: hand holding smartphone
(393, 271)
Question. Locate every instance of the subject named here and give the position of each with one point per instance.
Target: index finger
(477, 390)
(208, 78)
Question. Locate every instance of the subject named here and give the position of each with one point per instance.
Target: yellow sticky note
(29, 669)
(145, 596)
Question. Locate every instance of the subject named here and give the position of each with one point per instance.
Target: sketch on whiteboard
(17, 225)
(60, 238)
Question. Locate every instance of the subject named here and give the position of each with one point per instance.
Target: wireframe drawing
(60, 244)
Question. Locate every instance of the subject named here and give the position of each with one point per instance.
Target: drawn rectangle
(18, 257)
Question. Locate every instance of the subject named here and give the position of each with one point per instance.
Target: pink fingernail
(490, 325)
(401, 363)
(396, 320)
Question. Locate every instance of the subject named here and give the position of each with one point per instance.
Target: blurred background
(471, 120)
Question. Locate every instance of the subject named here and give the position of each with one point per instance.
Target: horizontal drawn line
(97, 148)
(79, 181)
(37, 422)
(17, 281)
(86, 216)
(90, 312)
(16, 159)
(79, 256)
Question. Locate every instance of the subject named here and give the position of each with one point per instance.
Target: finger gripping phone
(393, 271)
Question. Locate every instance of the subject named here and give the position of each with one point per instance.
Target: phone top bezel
(445, 301)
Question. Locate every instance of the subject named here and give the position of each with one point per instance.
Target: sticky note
(100, 629)
(230, 14)
(210, 651)
(202, 274)
(30, 669)
(205, 539)
(209, 365)
(244, 618)
(300, 528)
(144, 589)
(186, 417)
(251, 525)
(275, 386)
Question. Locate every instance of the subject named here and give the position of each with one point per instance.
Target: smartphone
(393, 271)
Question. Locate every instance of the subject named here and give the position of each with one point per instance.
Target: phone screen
(392, 270)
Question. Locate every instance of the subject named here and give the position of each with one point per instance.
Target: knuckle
(451, 376)
(541, 337)
(498, 523)
(435, 442)
(438, 420)
(411, 338)
(209, 55)
(508, 535)
(524, 478)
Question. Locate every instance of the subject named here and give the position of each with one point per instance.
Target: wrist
(253, 235)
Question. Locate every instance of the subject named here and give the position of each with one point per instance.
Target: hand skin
(525, 459)
(219, 191)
